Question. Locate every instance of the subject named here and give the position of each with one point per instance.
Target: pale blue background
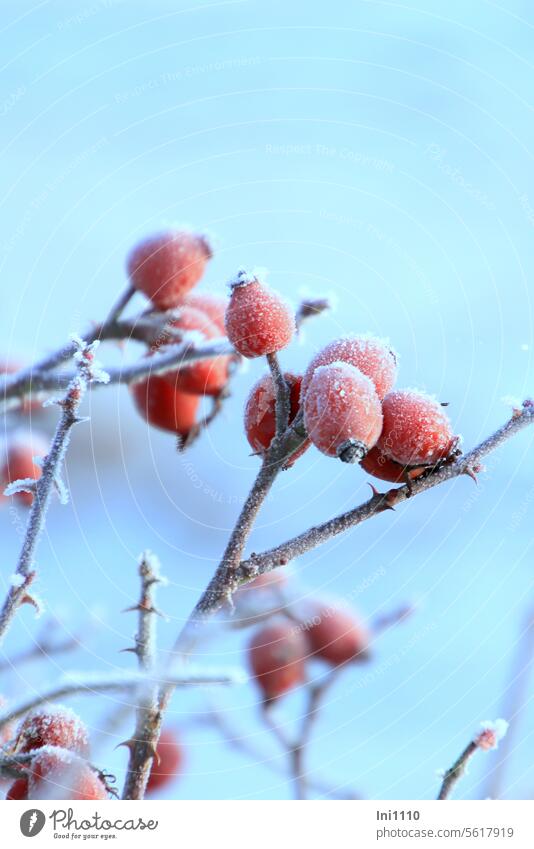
(377, 151)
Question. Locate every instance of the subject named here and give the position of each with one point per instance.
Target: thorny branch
(142, 747)
(43, 488)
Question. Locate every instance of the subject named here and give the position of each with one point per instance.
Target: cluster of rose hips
(280, 650)
(57, 744)
(350, 409)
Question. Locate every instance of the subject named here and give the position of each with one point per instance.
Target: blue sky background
(379, 152)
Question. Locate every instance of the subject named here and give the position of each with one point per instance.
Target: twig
(142, 747)
(282, 395)
(44, 646)
(14, 766)
(257, 564)
(455, 772)
(514, 705)
(310, 308)
(120, 304)
(43, 488)
(175, 357)
(243, 745)
(89, 683)
(489, 736)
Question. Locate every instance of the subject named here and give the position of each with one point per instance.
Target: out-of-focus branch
(142, 747)
(44, 646)
(89, 683)
(488, 738)
(514, 704)
(42, 489)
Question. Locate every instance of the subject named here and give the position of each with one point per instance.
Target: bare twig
(309, 309)
(242, 744)
(120, 304)
(282, 395)
(43, 488)
(467, 464)
(89, 683)
(489, 736)
(455, 772)
(142, 747)
(44, 646)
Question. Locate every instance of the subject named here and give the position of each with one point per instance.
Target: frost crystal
(491, 733)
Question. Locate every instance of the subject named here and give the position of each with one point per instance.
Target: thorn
(470, 473)
(130, 649)
(376, 493)
(128, 744)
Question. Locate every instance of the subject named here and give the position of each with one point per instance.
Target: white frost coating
(20, 485)
(16, 580)
(491, 733)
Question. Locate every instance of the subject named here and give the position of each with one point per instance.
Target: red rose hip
(170, 762)
(164, 407)
(258, 319)
(342, 412)
(167, 265)
(277, 655)
(416, 430)
(53, 726)
(214, 306)
(374, 357)
(19, 462)
(335, 635)
(59, 774)
(383, 467)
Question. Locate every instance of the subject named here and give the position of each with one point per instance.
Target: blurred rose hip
(277, 658)
(167, 265)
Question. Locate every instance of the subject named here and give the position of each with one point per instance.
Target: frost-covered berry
(416, 429)
(258, 319)
(374, 357)
(56, 773)
(9, 367)
(342, 412)
(166, 266)
(214, 306)
(18, 790)
(164, 407)
(335, 634)
(170, 756)
(206, 377)
(260, 413)
(386, 469)
(277, 655)
(53, 726)
(21, 449)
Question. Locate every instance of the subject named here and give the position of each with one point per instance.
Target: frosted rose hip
(170, 757)
(335, 634)
(214, 306)
(167, 265)
(374, 357)
(277, 655)
(342, 412)
(386, 469)
(258, 319)
(53, 726)
(416, 429)
(164, 407)
(260, 413)
(59, 774)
